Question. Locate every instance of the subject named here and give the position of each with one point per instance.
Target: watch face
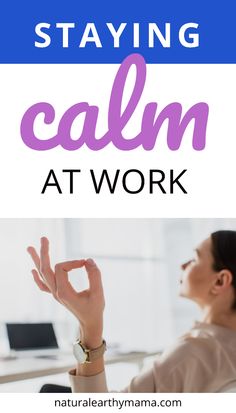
(79, 353)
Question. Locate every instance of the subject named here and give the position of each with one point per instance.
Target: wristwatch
(85, 355)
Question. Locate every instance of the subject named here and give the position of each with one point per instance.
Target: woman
(203, 360)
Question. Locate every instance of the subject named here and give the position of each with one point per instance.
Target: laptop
(32, 340)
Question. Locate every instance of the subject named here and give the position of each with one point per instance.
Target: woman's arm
(87, 306)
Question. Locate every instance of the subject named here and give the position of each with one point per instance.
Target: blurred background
(140, 263)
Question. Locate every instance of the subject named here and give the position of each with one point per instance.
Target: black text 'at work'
(132, 181)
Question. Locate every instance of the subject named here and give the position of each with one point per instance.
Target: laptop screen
(31, 336)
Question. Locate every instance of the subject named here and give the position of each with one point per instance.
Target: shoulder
(185, 349)
(187, 358)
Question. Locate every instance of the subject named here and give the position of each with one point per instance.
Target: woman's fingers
(86, 305)
(57, 282)
(94, 276)
(70, 265)
(45, 266)
(44, 255)
(42, 264)
(65, 291)
(36, 260)
(42, 286)
(34, 256)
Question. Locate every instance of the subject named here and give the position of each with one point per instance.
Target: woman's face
(198, 276)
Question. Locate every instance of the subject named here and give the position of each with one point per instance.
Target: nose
(184, 266)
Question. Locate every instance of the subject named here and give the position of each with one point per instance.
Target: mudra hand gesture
(87, 305)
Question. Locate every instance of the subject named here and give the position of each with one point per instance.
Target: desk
(29, 368)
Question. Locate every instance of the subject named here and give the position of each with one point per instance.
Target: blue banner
(73, 31)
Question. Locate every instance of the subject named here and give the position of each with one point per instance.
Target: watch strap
(94, 354)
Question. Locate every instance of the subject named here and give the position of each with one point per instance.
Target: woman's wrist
(91, 339)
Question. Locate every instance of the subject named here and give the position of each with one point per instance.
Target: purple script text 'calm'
(117, 119)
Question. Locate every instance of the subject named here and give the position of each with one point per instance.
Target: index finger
(70, 265)
(65, 290)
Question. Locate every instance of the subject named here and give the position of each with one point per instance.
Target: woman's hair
(224, 254)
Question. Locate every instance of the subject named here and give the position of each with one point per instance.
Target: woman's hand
(87, 305)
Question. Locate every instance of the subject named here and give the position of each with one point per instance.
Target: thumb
(94, 275)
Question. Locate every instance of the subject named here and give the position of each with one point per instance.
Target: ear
(223, 281)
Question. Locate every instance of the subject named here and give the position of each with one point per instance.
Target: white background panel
(211, 173)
